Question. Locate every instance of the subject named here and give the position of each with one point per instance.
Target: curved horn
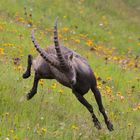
(57, 48)
(43, 53)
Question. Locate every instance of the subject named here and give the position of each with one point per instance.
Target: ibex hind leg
(98, 98)
(28, 70)
(83, 101)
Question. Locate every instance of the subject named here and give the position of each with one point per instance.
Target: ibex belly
(41, 67)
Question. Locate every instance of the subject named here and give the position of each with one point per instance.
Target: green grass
(51, 115)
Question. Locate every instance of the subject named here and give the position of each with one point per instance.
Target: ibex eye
(70, 67)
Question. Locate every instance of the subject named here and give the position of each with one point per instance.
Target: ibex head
(63, 63)
(71, 72)
(66, 61)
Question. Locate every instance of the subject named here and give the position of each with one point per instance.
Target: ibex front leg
(34, 88)
(89, 107)
(28, 71)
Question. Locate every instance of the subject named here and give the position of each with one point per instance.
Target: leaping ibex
(68, 68)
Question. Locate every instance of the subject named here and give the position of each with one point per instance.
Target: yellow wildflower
(20, 19)
(38, 132)
(7, 114)
(119, 94)
(137, 78)
(129, 124)
(11, 131)
(138, 43)
(131, 63)
(108, 89)
(16, 137)
(64, 16)
(104, 17)
(2, 27)
(65, 39)
(43, 130)
(109, 78)
(19, 67)
(115, 58)
(81, 11)
(77, 40)
(61, 91)
(89, 43)
(41, 82)
(74, 127)
(8, 45)
(138, 106)
(110, 33)
(1, 51)
(60, 35)
(53, 86)
(100, 85)
(28, 127)
(65, 29)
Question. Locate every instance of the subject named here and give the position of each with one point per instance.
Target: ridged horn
(43, 53)
(62, 61)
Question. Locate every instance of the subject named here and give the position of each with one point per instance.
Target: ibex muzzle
(68, 68)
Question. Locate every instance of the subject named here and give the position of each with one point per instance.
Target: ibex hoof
(26, 75)
(29, 96)
(109, 126)
(97, 125)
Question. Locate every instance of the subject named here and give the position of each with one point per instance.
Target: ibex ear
(71, 56)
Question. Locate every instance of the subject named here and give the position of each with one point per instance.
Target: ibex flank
(68, 68)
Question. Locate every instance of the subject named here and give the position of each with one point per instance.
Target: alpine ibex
(68, 68)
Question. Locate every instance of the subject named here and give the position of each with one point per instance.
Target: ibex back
(68, 68)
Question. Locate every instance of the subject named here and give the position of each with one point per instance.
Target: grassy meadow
(107, 33)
